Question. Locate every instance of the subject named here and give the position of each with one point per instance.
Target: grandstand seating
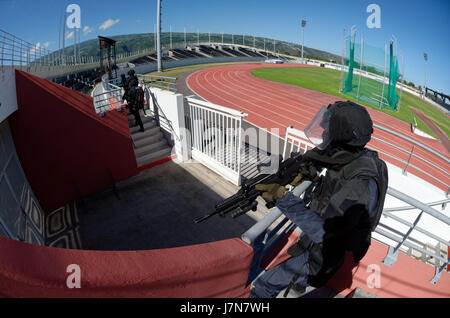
(194, 54)
(211, 51)
(183, 53)
(180, 54)
(231, 51)
(85, 81)
(82, 81)
(249, 52)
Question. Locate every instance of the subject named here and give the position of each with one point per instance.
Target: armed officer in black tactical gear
(343, 209)
(134, 96)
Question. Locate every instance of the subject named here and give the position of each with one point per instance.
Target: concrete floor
(157, 209)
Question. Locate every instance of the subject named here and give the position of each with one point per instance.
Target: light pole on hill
(425, 56)
(303, 38)
(158, 37)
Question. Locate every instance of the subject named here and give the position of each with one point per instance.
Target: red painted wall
(218, 269)
(61, 141)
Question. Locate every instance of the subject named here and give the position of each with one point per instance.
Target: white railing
(216, 137)
(432, 170)
(297, 140)
(161, 82)
(109, 99)
(15, 52)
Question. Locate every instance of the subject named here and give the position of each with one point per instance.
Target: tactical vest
(348, 183)
(135, 98)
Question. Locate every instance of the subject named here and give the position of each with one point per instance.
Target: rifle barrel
(203, 218)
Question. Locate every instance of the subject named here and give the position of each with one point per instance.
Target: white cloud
(87, 30)
(108, 24)
(70, 35)
(47, 44)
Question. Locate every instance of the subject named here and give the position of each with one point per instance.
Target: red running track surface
(271, 105)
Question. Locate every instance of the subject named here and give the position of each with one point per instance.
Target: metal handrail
(413, 166)
(414, 142)
(162, 82)
(261, 226)
(411, 153)
(410, 207)
(17, 52)
(102, 102)
(421, 206)
(214, 107)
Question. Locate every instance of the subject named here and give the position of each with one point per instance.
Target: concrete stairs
(149, 146)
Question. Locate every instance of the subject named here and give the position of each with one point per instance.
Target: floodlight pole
(59, 39)
(158, 37)
(154, 35)
(303, 38)
(401, 86)
(79, 45)
(384, 75)
(425, 56)
(74, 46)
(343, 62)
(64, 40)
(170, 36)
(360, 66)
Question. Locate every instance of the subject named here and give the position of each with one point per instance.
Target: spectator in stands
(343, 209)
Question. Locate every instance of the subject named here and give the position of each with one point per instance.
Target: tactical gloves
(272, 192)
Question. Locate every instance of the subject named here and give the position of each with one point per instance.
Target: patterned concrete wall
(21, 217)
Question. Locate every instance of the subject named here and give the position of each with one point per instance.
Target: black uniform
(134, 97)
(338, 216)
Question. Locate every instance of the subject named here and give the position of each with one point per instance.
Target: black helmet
(350, 124)
(131, 72)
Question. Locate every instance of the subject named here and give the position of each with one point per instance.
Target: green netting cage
(370, 73)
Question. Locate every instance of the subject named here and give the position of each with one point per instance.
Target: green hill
(135, 42)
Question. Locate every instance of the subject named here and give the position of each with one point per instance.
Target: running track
(272, 105)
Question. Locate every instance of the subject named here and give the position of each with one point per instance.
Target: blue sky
(420, 26)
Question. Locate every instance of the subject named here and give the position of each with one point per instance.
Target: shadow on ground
(156, 210)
